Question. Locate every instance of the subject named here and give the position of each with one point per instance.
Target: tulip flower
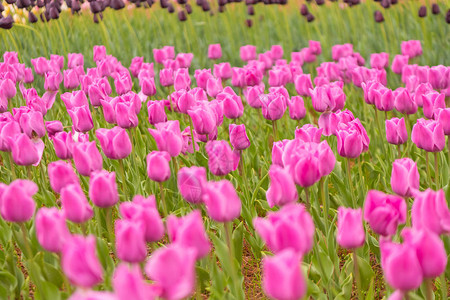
(203, 119)
(158, 168)
(221, 200)
(115, 142)
(282, 189)
(52, 81)
(350, 234)
(74, 99)
(103, 189)
(63, 144)
(297, 109)
(144, 211)
(396, 133)
(156, 112)
(130, 241)
(71, 79)
(51, 229)
(379, 60)
(81, 118)
(8, 88)
(189, 232)
(309, 133)
(222, 71)
(430, 251)
(282, 276)
(411, 48)
(168, 137)
(80, 263)
(384, 212)
(238, 137)
(222, 160)
(25, 152)
(232, 103)
(430, 212)
(182, 81)
(328, 98)
(401, 266)
(214, 51)
(405, 177)
(129, 283)
(428, 135)
(289, 228)
(172, 268)
(247, 52)
(31, 122)
(253, 95)
(16, 200)
(53, 127)
(432, 101)
(191, 182)
(87, 158)
(61, 174)
(273, 106)
(75, 60)
(384, 99)
(75, 205)
(398, 63)
(123, 83)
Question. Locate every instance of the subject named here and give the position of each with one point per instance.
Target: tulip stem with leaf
(427, 161)
(428, 289)
(109, 224)
(350, 183)
(274, 130)
(29, 174)
(124, 180)
(307, 199)
(162, 200)
(191, 126)
(436, 169)
(357, 275)
(228, 226)
(13, 169)
(443, 280)
(26, 241)
(324, 202)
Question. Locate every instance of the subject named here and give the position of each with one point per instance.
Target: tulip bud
(222, 160)
(51, 229)
(103, 188)
(214, 51)
(129, 283)
(16, 202)
(75, 205)
(396, 133)
(158, 168)
(350, 233)
(221, 200)
(130, 241)
(282, 189)
(430, 212)
(428, 135)
(405, 177)
(168, 137)
(190, 183)
(115, 142)
(238, 137)
(61, 174)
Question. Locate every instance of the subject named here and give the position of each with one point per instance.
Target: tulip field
(224, 149)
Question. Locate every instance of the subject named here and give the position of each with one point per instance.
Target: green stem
(443, 286)
(30, 175)
(65, 279)
(274, 130)
(350, 184)
(25, 240)
(13, 169)
(324, 202)
(399, 151)
(191, 127)
(109, 224)
(307, 198)
(436, 170)
(357, 276)
(428, 289)
(228, 229)
(163, 202)
(124, 180)
(428, 168)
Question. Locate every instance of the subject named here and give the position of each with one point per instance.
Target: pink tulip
(173, 269)
(309, 133)
(398, 63)
(130, 241)
(158, 168)
(328, 98)
(87, 158)
(253, 95)
(432, 101)
(401, 267)
(74, 99)
(222, 160)
(31, 122)
(443, 117)
(190, 183)
(53, 127)
(8, 88)
(214, 87)
(384, 99)
(166, 77)
(273, 106)
(123, 83)
(350, 227)
(189, 232)
(338, 51)
(168, 137)
(282, 276)
(238, 137)
(247, 52)
(9, 129)
(411, 48)
(221, 200)
(129, 283)
(52, 81)
(232, 104)
(430, 212)
(349, 143)
(203, 119)
(135, 66)
(428, 135)
(156, 112)
(51, 229)
(297, 109)
(75, 60)
(71, 80)
(80, 263)
(289, 228)
(184, 59)
(439, 77)
(430, 251)
(405, 177)
(61, 174)
(282, 189)
(182, 81)
(384, 212)
(223, 71)
(25, 152)
(303, 84)
(75, 205)
(103, 189)
(115, 142)
(16, 200)
(63, 144)
(379, 60)
(81, 118)
(99, 52)
(214, 51)
(143, 210)
(396, 133)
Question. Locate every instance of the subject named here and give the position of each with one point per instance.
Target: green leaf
(238, 242)
(8, 281)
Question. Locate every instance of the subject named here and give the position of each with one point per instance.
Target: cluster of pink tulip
(297, 164)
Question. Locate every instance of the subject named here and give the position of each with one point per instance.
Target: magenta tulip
(350, 234)
(87, 158)
(158, 168)
(238, 137)
(221, 200)
(396, 133)
(16, 200)
(115, 142)
(405, 179)
(51, 229)
(191, 182)
(222, 160)
(75, 205)
(61, 174)
(168, 137)
(428, 135)
(103, 189)
(130, 241)
(430, 212)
